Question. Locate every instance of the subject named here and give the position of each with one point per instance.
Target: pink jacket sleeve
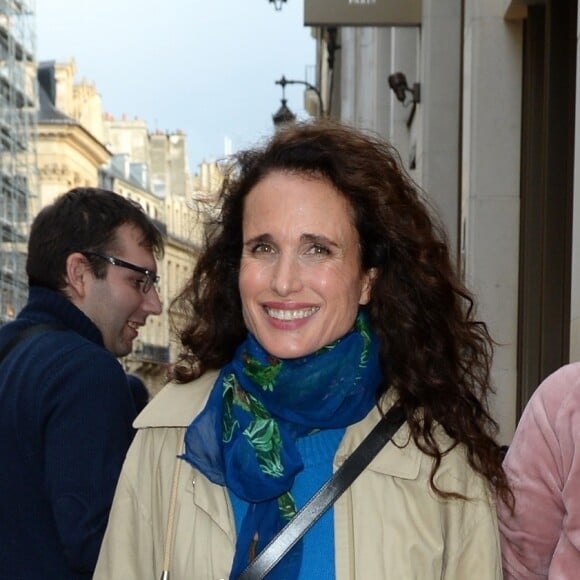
(541, 539)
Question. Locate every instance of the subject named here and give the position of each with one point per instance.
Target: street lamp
(277, 3)
(283, 82)
(283, 115)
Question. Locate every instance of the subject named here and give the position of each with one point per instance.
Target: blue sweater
(317, 452)
(65, 427)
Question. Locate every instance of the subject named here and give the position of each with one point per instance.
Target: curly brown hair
(436, 354)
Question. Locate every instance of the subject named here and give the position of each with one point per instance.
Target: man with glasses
(65, 404)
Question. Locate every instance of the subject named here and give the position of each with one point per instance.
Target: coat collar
(176, 405)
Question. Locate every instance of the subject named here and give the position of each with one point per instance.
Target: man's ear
(77, 270)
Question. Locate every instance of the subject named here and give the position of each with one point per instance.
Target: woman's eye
(262, 248)
(318, 250)
(138, 283)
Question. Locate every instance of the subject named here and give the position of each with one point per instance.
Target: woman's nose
(286, 276)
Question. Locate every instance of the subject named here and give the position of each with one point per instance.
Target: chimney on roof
(47, 79)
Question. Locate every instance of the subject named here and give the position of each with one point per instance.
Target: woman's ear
(77, 268)
(367, 286)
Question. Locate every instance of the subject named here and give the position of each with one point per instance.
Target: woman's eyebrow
(264, 238)
(305, 238)
(317, 239)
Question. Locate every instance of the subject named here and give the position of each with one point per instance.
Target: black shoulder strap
(325, 496)
(25, 333)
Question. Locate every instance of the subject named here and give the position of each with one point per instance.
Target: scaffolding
(18, 164)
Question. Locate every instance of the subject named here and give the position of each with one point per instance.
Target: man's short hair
(83, 219)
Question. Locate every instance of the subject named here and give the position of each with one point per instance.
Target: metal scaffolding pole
(18, 167)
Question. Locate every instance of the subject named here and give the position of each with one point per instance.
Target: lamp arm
(284, 81)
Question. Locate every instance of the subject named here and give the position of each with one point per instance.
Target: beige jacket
(388, 524)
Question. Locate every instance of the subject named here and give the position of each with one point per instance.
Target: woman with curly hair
(324, 298)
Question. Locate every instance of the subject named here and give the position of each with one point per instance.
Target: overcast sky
(206, 67)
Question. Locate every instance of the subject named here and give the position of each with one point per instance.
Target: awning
(362, 12)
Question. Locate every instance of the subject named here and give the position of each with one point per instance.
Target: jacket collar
(48, 306)
(177, 405)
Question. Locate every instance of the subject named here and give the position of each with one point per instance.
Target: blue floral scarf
(244, 437)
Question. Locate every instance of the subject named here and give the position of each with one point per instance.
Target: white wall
(440, 110)
(364, 87)
(491, 185)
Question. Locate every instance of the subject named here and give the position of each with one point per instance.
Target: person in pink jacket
(541, 537)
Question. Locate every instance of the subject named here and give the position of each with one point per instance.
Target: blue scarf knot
(244, 438)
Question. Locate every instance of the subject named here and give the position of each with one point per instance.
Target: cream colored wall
(67, 157)
(65, 79)
(179, 266)
(491, 184)
(79, 100)
(127, 136)
(438, 134)
(181, 251)
(364, 87)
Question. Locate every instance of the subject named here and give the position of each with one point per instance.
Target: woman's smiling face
(301, 279)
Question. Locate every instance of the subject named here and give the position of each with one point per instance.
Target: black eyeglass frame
(151, 278)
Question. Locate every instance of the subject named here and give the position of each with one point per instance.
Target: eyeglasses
(150, 276)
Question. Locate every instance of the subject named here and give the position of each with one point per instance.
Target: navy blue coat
(65, 427)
